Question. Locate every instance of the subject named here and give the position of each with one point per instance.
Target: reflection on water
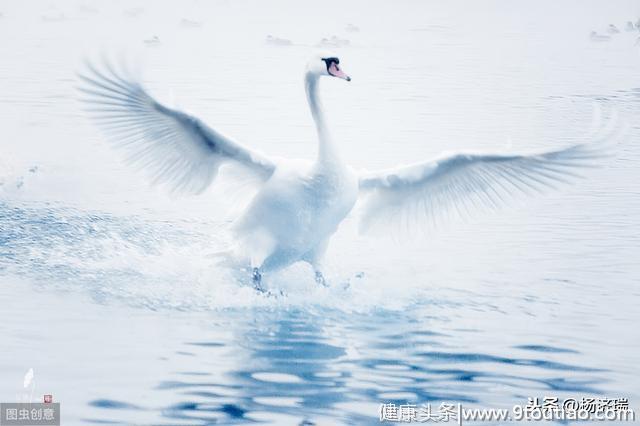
(289, 363)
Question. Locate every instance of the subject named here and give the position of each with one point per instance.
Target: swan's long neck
(326, 150)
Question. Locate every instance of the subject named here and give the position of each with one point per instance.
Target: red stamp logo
(48, 399)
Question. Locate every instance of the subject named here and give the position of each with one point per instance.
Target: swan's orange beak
(335, 71)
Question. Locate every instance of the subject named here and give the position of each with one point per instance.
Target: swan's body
(300, 204)
(295, 214)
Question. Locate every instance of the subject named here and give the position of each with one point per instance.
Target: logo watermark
(536, 409)
(25, 413)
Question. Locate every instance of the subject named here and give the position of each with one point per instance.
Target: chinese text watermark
(536, 409)
(22, 414)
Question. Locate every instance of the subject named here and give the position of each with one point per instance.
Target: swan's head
(326, 65)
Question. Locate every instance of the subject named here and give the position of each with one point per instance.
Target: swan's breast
(301, 208)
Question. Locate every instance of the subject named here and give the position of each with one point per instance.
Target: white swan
(300, 204)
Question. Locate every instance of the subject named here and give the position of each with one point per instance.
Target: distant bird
(155, 40)
(300, 204)
(352, 28)
(54, 17)
(188, 23)
(87, 8)
(334, 41)
(277, 41)
(133, 12)
(612, 29)
(599, 37)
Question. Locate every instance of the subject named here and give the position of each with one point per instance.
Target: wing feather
(460, 184)
(175, 148)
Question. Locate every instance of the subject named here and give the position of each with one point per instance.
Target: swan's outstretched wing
(176, 148)
(457, 184)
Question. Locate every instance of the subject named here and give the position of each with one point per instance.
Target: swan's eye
(330, 61)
